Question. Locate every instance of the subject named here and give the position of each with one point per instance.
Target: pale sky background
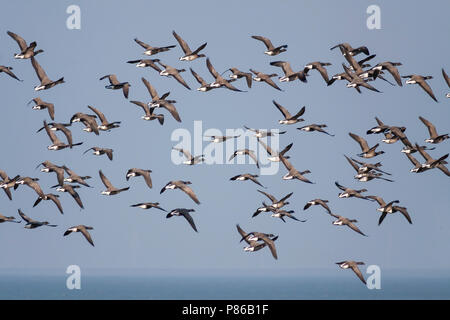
(127, 239)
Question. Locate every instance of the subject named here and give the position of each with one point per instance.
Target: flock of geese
(357, 74)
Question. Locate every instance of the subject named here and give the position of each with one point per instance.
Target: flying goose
(380, 128)
(248, 152)
(88, 120)
(46, 83)
(247, 176)
(56, 143)
(7, 183)
(347, 49)
(274, 155)
(218, 139)
(148, 205)
(71, 190)
(75, 178)
(189, 55)
(190, 160)
(32, 224)
(134, 172)
(292, 172)
(114, 84)
(8, 219)
(277, 204)
(26, 51)
(172, 72)
(254, 245)
(421, 81)
(365, 167)
(408, 146)
(279, 213)
(434, 137)
(149, 114)
(143, 63)
(390, 208)
(289, 74)
(110, 189)
(262, 134)
(183, 186)
(288, 118)
(392, 136)
(154, 94)
(61, 127)
(149, 50)
(259, 76)
(264, 208)
(160, 102)
(8, 71)
(271, 50)
(52, 197)
(50, 167)
(319, 66)
(433, 163)
(84, 231)
(348, 193)
(357, 81)
(317, 202)
(99, 151)
(418, 167)
(447, 80)
(366, 151)
(237, 74)
(219, 81)
(32, 183)
(391, 67)
(204, 86)
(367, 170)
(185, 213)
(41, 105)
(354, 266)
(105, 125)
(315, 127)
(343, 221)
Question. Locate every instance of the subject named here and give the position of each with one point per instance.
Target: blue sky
(128, 239)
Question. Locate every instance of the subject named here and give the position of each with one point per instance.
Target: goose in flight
(169, 71)
(183, 186)
(254, 245)
(292, 172)
(84, 231)
(343, 221)
(247, 176)
(185, 213)
(149, 50)
(135, 172)
(46, 83)
(390, 208)
(288, 118)
(7, 70)
(190, 159)
(421, 81)
(289, 74)
(41, 105)
(26, 51)
(434, 136)
(114, 84)
(271, 49)
(105, 125)
(317, 202)
(189, 55)
(354, 266)
(110, 189)
(32, 224)
(366, 151)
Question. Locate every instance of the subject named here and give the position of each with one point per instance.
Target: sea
(169, 287)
